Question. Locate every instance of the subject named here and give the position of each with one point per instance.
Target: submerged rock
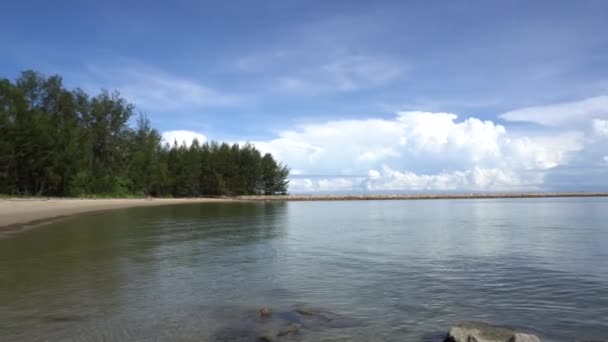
(268, 325)
(272, 333)
(265, 312)
(312, 316)
(290, 329)
(316, 312)
(481, 332)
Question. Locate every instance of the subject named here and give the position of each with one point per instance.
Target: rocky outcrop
(480, 332)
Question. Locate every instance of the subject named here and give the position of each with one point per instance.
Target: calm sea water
(398, 270)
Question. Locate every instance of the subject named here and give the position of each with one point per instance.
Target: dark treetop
(60, 142)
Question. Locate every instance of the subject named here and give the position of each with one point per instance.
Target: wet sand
(17, 213)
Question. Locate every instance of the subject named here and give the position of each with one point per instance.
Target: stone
(271, 333)
(290, 329)
(321, 318)
(317, 313)
(265, 312)
(266, 338)
(268, 325)
(481, 332)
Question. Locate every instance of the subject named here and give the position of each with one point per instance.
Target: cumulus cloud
(433, 151)
(182, 137)
(561, 114)
(425, 140)
(493, 179)
(391, 180)
(325, 184)
(420, 151)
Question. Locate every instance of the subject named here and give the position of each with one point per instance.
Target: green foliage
(80, 184)
(57, 142)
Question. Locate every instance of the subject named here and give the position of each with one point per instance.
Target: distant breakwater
(366, 197)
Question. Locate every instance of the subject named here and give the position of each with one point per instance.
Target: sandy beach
(17, 213)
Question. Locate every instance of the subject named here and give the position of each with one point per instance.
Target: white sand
(15, 213)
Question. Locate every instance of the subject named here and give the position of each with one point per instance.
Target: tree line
(60, 142)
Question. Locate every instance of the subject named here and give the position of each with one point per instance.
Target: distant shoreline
(23, 213)
(366, 197)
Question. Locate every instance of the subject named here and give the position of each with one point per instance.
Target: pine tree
(57, 142)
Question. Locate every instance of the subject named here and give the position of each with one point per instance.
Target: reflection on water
(121, 266)
(403, 270)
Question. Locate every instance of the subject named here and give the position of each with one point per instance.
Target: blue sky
(354, 96)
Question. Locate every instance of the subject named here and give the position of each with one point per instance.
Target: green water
(398, 270)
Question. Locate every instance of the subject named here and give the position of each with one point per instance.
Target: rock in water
(480, 332)
(290, 329)
(265, 312)
(316, 317)
(271, 334)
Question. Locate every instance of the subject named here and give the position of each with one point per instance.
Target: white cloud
(328, 184)
(600, 127)
(342, 74)
(301, 185)
(542, 152)
(154, 90)
(493, 179)
(335, 184)
(415, 140)
(420, 151)
(356, 72)
(606, 160)
(391, 180)
(324, 56)
(335, 145)
(373, 174)
(182, 137)
(295, 72)
(561, 114)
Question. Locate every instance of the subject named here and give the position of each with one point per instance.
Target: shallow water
(398, 270)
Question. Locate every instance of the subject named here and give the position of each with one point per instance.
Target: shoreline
(367, 197)
(18, 214)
